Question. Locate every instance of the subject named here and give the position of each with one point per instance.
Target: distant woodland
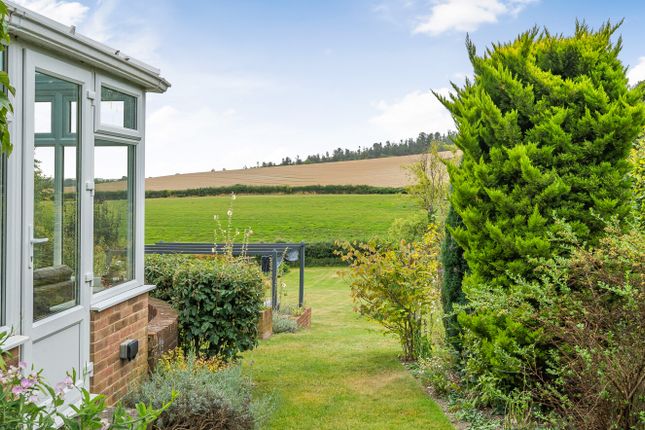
(377, 150)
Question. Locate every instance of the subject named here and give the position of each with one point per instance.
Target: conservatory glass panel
(43, 117)
(2, 217)
(118, 109)
(2, 236)
(56, 202)
(113, 215)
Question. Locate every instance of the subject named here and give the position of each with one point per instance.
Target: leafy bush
(160, 270)
(284, 323)
(437, 372)
(218, 300)
(322, 254)
(597, 326)
(397, 286)
(430, 184)
(208, 396)
(545, 128)
(581, 327)
(410, 229)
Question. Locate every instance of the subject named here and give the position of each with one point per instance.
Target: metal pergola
(275, 251)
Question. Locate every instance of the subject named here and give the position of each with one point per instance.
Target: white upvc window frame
(13, 211)
(110, 130)
(135, 138)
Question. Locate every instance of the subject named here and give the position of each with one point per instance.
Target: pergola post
(301, 289)
(274, 281)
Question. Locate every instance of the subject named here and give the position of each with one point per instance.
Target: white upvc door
(57, 215)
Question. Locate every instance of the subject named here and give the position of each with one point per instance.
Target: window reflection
(56, 202)
(113, 214)
(118, 109)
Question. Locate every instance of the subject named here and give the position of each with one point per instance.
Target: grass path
(343, 373)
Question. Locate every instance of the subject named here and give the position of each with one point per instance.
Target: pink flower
(22, 365)
(68, 382)
(60, 389)
(27, 382)
(17, 390)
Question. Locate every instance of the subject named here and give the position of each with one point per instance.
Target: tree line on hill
(377, 150)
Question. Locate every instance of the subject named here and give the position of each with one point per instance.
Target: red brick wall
(108, 329)
(162, 329)
(265, 324)
(13, 357)
(304, 320)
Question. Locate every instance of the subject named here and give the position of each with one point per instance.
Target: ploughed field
(377, 172)
(292, 218)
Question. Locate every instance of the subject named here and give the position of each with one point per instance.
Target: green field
(343, 373)
(293, 218)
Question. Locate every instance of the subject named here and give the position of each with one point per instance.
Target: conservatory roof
(27, 25)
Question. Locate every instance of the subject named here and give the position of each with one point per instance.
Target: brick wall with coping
(265, 324)
(304, 320)
(108, 329)
(162, 330)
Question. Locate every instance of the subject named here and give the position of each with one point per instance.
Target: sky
(256, 81)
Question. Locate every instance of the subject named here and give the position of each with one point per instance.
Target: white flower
(233, 196)
(229, 213)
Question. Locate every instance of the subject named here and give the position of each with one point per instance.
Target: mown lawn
(343, 373)
(294, 218)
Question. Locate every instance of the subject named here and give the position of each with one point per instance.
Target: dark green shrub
(206, 398)
(218, 300)
(160, 270)
(545, 128)
(257, 189)
(219, 303)
(322, 254)
(454, 269)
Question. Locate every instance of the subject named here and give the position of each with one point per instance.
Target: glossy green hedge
(218, 300)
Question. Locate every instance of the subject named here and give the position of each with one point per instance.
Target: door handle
(33, 241)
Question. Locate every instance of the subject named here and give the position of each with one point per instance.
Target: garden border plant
(27, 401)
(397, 285)
(218, 300)
(212, 393)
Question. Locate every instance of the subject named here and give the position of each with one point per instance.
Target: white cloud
(133, 33)
(467, 15)
(415, 112)
(66, 12)
(636, 74)
(136, 33)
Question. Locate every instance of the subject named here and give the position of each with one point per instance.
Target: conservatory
(72, 199)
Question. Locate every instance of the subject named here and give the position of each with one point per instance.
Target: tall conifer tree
(545, 127)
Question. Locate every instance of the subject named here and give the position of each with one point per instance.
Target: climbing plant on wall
(5, 104)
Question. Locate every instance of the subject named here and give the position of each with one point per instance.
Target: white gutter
(30, 26)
